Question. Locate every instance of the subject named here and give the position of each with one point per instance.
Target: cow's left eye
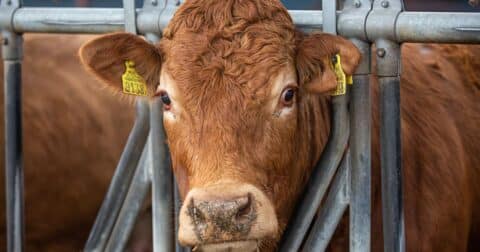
(288, 96)
(167, 102)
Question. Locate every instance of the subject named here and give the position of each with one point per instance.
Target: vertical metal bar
(12, 56)
(131, 206)
(162, 186)
(329, 13)
(388, 58)
(360, 144)
(331, 211)
(121, 180)
(130, 19)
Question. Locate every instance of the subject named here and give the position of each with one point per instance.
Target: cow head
(245, 113)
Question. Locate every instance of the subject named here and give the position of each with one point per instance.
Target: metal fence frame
(145, 160)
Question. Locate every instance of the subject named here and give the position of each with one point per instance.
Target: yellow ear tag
(133, 83)
(342, 79)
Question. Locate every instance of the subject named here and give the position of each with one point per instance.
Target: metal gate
(145, 160)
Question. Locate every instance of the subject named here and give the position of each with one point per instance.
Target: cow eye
(166, 99)
(288, 96)
(167, 102)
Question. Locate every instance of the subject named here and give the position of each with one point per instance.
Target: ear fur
(105, 57)
(314, 54)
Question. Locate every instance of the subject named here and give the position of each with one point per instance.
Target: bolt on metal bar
(388, 64)
(162, 183)
(132, 205)
(331, 211)
(121, 180)
(360, 146)
(12, 60)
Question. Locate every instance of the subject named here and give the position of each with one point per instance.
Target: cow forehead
(236, 55)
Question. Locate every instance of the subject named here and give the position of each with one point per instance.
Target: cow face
(241, 107)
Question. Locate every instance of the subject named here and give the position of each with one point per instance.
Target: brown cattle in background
(73, 134)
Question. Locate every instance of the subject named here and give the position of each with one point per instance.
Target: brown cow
(246, 111)
(74, 133)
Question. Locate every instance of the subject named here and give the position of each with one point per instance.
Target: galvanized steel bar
(320, 178)
(331, 211)
(121, 180)
(162, 183)
(69, 20)
(388, 71)
(12, 62)
(129, 15)
(132, 205)
(360, 145)
(440, 27)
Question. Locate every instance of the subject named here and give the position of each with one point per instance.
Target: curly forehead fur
(231, 45)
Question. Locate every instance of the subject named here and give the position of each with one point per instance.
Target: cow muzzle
(226, 217)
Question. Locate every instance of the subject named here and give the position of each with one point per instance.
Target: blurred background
(410, 5)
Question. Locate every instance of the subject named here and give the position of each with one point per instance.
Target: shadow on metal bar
(162, 183)
(121, 180)
(132, 206)
(332, 209)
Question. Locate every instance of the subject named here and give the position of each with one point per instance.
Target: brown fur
(74, 132)
(223, 58)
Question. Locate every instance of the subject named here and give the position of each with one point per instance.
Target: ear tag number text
(132, 82)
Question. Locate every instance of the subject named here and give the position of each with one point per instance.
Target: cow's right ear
(107, 55)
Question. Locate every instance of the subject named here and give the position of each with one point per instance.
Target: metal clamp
(381, 21)
(7, 10)
(353, 18)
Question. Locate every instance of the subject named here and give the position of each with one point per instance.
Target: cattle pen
(345, 175)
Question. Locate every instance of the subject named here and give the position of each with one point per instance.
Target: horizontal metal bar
(439, 27)
(68, 20)
(331, 211)
(442, 27)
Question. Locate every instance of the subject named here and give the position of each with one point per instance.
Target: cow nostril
(198, 215)
(245, 209)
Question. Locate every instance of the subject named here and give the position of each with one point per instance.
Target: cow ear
(107, 57)
(314, 57)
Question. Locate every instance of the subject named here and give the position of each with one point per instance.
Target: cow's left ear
(314, 57)
(109, 56)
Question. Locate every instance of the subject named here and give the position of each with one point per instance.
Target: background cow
(74, 133)
(246, 110)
